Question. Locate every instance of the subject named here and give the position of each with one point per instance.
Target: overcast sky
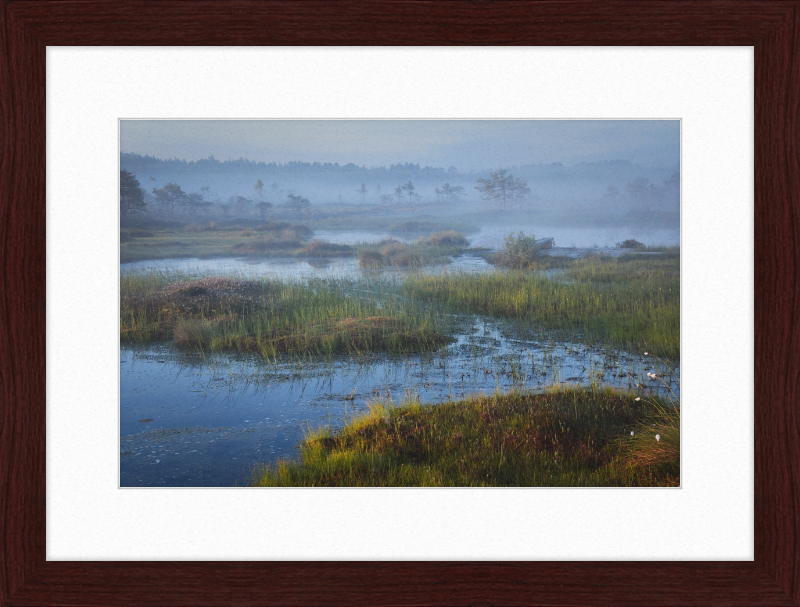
(465, 144)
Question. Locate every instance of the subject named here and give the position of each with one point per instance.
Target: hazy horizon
(467, 145)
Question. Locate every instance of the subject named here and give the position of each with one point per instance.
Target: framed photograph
(713, 540)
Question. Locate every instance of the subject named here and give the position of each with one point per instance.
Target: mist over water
(493, 237)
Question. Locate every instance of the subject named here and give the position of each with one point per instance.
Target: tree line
(133, 199)
(501, 188)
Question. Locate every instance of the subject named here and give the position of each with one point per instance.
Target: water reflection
(213, 418)
(290, 268)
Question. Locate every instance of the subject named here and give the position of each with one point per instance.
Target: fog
(590, 182)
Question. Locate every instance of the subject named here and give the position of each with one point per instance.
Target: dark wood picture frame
(772, 27)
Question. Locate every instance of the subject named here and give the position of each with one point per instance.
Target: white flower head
(631, 432)
(658, 437)
(645, 353)
(638, 398)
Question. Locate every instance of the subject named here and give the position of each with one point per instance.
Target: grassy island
(266, 316)
(566, 437)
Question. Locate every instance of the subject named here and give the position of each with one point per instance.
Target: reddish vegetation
(213, 299)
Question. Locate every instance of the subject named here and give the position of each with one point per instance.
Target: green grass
(437, 248)
(322, 248)
(273, 239)
(211, 240)
(568, 437)
(629, 302)
(268, 317)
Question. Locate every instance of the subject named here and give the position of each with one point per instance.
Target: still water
(192, 421)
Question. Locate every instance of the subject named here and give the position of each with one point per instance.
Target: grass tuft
(322, 248)
(563, 437)
(629, 302)
(267, 316)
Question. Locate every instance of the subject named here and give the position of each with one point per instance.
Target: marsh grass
(563, 437)
(447, 238)
(378, 218)
(349, 335)
(279, 239)
(438, 248)
(629, 302)
(213, 240)
(269, 317)
(656, 440)
(643, 449)
(322, 248)
(373, 259)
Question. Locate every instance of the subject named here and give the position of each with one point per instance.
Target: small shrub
(521, 251)
(212, 225)
(629, 244)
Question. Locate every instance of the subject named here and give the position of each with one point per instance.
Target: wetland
(277, 370)
(388, 303)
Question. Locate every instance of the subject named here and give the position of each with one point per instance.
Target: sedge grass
(438, 248)
(631, 303)
(269, 317)
(562, 437)
(267, 239)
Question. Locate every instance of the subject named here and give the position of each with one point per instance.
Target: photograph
(399, 303)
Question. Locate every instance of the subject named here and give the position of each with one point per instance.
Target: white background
(710, 517)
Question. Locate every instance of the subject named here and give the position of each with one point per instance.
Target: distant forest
(334, 183)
